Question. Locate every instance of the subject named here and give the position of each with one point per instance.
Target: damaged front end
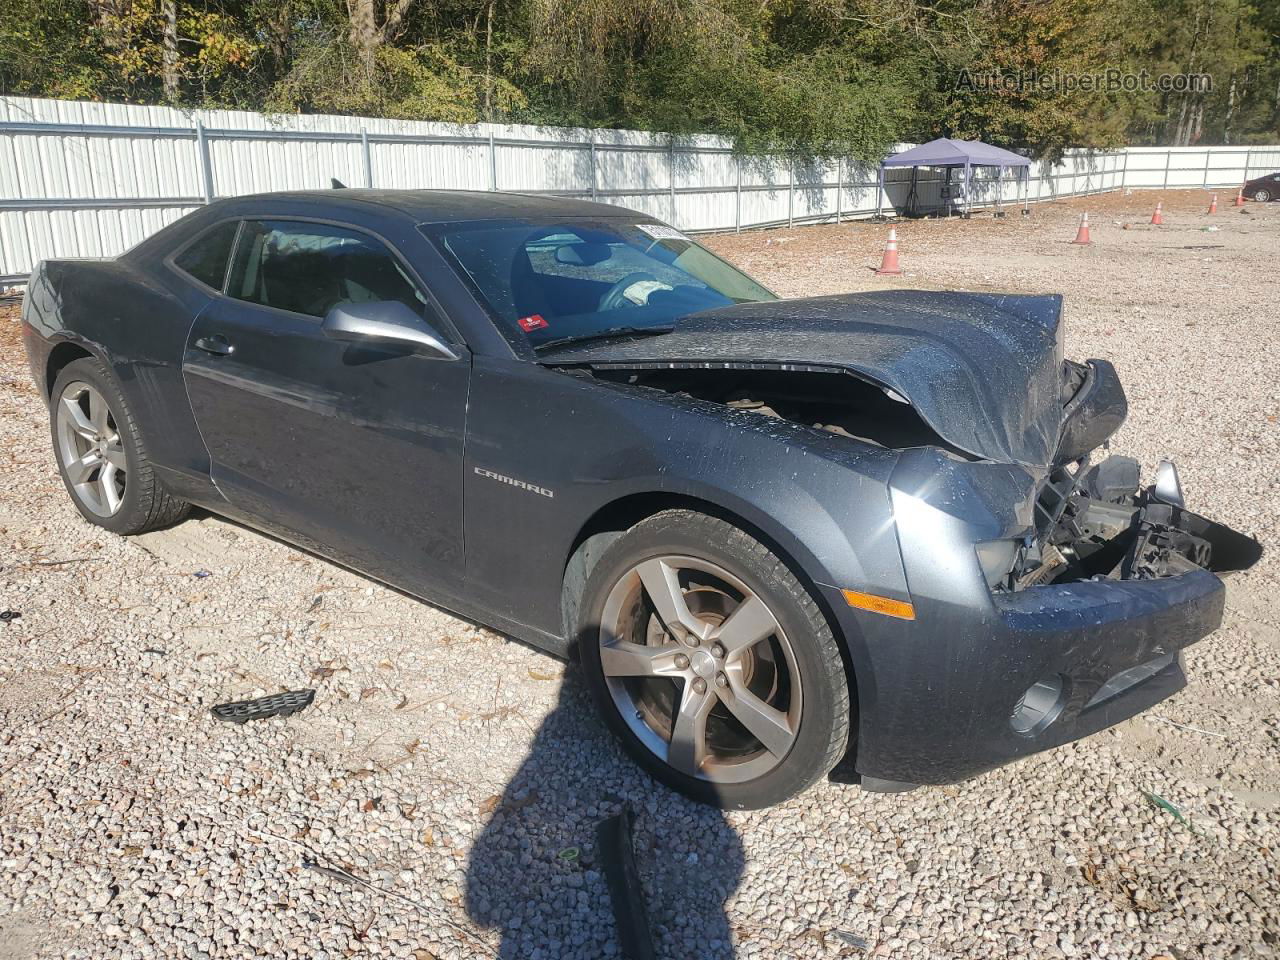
(1080, 588)
(972, 389)
(1050, 596)
(1099, 523)
(1048, 605)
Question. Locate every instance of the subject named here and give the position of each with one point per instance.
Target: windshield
(584, 279)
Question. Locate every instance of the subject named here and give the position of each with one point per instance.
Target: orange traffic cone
(890, 262)
(1239, 198)
(1082, 235)
(1213, 204)
(1157, 218)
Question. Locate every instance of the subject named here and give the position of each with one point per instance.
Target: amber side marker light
(869, 601)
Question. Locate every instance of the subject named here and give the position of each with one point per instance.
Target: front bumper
(940, 691)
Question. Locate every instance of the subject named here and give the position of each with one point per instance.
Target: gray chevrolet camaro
(777, 533)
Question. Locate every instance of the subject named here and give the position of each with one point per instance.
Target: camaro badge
(543, 491)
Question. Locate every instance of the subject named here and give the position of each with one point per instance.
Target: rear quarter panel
(135, 319)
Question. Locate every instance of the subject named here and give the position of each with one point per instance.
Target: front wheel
(712, 663)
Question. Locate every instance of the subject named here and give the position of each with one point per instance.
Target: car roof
(436, 206)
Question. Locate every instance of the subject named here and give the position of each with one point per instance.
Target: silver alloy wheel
(89, 448)
(1262, 196)
(686, 626)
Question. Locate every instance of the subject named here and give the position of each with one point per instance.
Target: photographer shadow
(536, 874)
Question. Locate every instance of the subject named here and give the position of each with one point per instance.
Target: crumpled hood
(983, 370)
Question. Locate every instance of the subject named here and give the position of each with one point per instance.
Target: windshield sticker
(660, 231)
(532, 322)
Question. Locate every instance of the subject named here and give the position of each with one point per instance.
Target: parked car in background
(1263, 188)
(775, 532)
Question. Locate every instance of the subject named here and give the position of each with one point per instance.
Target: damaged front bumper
(985, 675)
(1097, 523)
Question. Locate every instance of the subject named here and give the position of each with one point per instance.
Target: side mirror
(386, 322)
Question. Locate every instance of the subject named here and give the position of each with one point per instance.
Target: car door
(352, 449)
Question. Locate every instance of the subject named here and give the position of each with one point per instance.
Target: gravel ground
(460, 774)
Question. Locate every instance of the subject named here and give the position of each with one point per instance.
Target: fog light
(1039, 706)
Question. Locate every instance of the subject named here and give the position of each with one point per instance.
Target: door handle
(217, 345)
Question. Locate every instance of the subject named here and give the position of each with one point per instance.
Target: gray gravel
(461, 774)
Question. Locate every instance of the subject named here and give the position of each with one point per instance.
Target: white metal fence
(92, 179)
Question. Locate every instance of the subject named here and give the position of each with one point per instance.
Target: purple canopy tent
(952, 154)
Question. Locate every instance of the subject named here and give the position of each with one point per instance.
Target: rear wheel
(101, 455)
(1262, 195)
(712, 663)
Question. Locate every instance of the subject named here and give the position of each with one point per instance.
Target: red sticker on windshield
(532, 323)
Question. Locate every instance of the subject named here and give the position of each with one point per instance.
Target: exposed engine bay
(985, 372)
(830, 401)
(1092, 402)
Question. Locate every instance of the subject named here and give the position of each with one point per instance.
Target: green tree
(1220, 38)
(802, 77)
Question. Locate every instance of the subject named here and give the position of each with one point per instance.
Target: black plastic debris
(847, 938)
(8, 616)
(201, 574)
(276, 705)
(618, 859)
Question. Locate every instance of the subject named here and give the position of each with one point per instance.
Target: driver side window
(309, 268)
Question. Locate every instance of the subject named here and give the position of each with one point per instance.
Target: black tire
(1262, 195)
(824, 716)
(145, 504)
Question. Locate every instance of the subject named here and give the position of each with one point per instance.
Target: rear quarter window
(206, 259)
